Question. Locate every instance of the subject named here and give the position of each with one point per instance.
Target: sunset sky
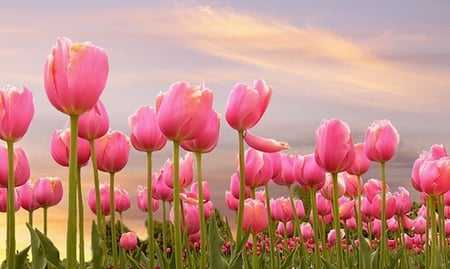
(353, 60)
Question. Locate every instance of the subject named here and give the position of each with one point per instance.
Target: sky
(357, 61)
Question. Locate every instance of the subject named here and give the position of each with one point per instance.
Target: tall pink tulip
(48, 191)
(381, 141)
(311, 176)
(104, 199)
(27, 197)
(258, 168)
(335, 151)
(287, 175)
(21, 167)
(112, 151)
(434, 176)
(73, 70)
(145, 132)
(246, 106)
(4, 200)
(255, 216)
(160, 189)
(142, 201)
(361, 164)
(207, 140)
(60, 148)
(16, 113)
(94, 123)
(182, 111)
(121, 199)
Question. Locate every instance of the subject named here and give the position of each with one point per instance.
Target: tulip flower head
(128, 240)
(48, 191)
(104, 199)
(142, 200)
(94, 123)
(112, 151)
(60, 148)
(21, 167)
(145, 133)
(381, 141)
(255, 216)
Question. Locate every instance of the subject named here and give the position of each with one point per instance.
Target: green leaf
(327, 264)
(161, 258)
(236, 256)
(215, 242)
(51, 252)
(288, 262)
(98, 258)
(22, 258)
(365, 250)
(37, 252)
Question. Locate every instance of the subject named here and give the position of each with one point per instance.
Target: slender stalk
(203, 240)
(273, 261)
(336, 222)
(434, 238)
(112, 212)
(442, 244)
(164, 223)
(312, 194)
(101, 223)
(255, 250)
(80, 220)
(296, 221)
(71, 242)
(30, 218)
(177, 204)
(45, 220)
(240, 212)
(383, 238)
(150, 233)
(359, 222)
(10, 209)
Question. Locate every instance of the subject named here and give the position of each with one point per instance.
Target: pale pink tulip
(74, 70)
(361, 164)
(390, 206)
(311, 176)
(94, 123)
(434, 176)
(234, 187)
(142, 201)
(207, 140)
(48, 191)
(287, 175)
(230, 201)
(121, 199)
(60, 148)
(112, 151)
(381, 141)
(281, 209)
(191, 223)
(145, 133)
(21, 167)
(255, 216)
(205, 188)
(403, 201)
(128, 240)
(160, 190)
(27, 197)
(327, 189)
(104, 199)
(258, 168)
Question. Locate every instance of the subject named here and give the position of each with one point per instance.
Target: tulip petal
(264, 144)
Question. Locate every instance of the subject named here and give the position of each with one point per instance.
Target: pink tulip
(258, 168)
(361, 164)
(16, 113)
(392, 224)
(112, 151)
(381, 141)
(434, 176)
(104, 199)
(281, 209)
(128, 241)
(352, 182)
(390, 206)
(366, 208)
(373, 187)
(234, 187)
(335, 151)
(287, 227)
(186, 171)
(264, 144)
(323, 205)
(255, 216)
(402, 201)
(27, 197)
(160, 190)
(60, 148)
(346, 209)
(4, 200)
(245, 106)
(205, 188)
(287, 175)
(48, 191)
(306, 230)
(191, 222)
(376, 228)
(299, 208)
(207, 140)
(327, 189)
(415, 173)
(72, 71)
(230, 201)
(276, 163)
(351, 223)
(331, 237)
(142, 201)
(21, 167)
(183, 111)
(145, 133)
(419, 225)
(311, 176)
(94, 123)
(121, 199)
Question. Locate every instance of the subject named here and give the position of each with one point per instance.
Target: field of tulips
(330, 217)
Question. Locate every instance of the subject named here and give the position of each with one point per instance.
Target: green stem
(434, 238)
(101, 223)
(255, 251)
(71, 241)
(336, 222)
(45, 220)
(164, 223)
(273, 261)
(177, 204)
(441, 217)
(240, 212)
(383, 238)
(359, 222)
(80, 219)
(203, 240)
(30, 218)
(316, 227)
(112, 211)
(150, 233)
(11, 212)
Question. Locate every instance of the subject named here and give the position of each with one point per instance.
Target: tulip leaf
(215, 242)
(97, 249)
(51, 252)
(22, 258)
(38, 254)
(365, 251)
(161, 258)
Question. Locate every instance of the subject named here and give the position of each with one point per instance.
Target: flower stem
(383, 238)
(336, 222)
(434, 237)
(273, 262)
(240, 217)
(441, 217)
(150, 237)
(203, 240)
(112, 211)
(11, 217)
(177, 204)
(255, 250)
(359, 221)
(80, 219)
(45, 220)
(316, 227)
(71, 245)
(164, 224)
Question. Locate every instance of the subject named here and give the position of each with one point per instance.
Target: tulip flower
(145, 132)
(27, 197)
(142, 200)
(281, 209)
(434, 176)
(311, 176)
(235, 187)
(104, 199)
(328, 188)
(255, 216)
(128, 240)
(207, 140)
(381, 141)
(4, 200)
(160, 189)
(21, 167)
(60, 148)
(48, 192)
(16, 113)
(264, 144)
(205, 188)
(258, 168)
(73, 70)
(94, 123)
(287, 175)
(230, 201)
(191, 222)
(246, 106)
(121, 199)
